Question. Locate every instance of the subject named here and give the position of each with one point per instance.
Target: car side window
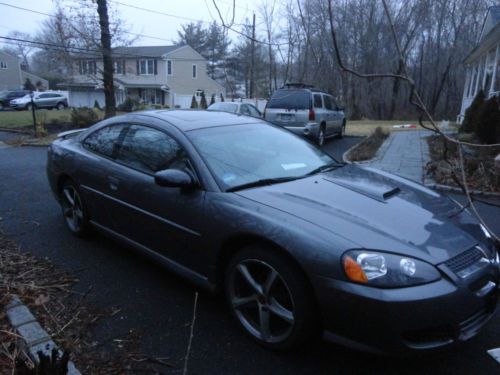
(317, 101)
(328, 103)
(253, 111)
(105, 140)
(151, 150)
(334, 104)
(244, 110)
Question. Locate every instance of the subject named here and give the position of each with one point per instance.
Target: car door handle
(113, 183)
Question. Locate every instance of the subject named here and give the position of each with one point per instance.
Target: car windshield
(289, 99)
(245, 154)
(226, 107)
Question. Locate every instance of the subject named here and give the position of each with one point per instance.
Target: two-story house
(12, 77)
(166, 75)
(483, 63)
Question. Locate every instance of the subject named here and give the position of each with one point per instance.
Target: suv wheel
(60, 106)
(1, 106)
(29, 107)
(342, 130)
(320, 140)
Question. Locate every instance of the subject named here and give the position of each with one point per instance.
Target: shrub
(488, 121)
(194, 103)
(128, 105)
(212, 99)
(83, 117)
(221, 97)
(203, 101)
(471, 114)
(96, 104)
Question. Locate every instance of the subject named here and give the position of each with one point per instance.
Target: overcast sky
(143, 22)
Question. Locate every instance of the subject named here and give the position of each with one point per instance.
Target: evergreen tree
(488, 121)
(28, 85)
(212, 99)
(203, 101)
(221, 97)
(194, 103)
(471, 114)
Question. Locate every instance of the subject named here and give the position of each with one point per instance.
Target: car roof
(188, 119)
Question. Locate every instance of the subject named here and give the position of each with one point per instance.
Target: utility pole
(252, 66)
(107, 74)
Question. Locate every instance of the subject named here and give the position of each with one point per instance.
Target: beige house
(483, 63)
(12, 77)
(166, 75)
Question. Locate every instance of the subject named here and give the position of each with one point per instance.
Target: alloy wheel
(321, 137)
(262, 301)
(72, 209)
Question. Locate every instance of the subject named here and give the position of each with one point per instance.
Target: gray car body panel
(315, 220)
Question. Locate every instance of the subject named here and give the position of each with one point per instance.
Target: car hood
(375, 210)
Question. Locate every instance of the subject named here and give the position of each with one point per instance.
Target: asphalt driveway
(159, 305)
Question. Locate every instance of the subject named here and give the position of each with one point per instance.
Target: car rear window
(288, 99)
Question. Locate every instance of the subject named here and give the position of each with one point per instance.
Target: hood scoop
(373, 189)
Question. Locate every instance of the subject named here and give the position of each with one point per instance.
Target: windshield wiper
(325, 168)
(262, 182)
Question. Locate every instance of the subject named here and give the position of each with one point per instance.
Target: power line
(54, 16)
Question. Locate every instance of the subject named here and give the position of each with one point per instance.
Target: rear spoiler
(69, 133)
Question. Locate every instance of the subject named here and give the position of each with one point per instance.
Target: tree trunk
(107, 74)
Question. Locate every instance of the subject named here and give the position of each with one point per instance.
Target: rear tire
(60, 106)
(320, 139)
(1, 106)
(269, 297)
(342, 130)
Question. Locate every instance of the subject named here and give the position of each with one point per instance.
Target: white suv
(306, 111)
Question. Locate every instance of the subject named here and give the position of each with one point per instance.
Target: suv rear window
(289, 99)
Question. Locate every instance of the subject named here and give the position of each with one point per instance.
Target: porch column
(495, 67)
(484, 72)
(468, 77)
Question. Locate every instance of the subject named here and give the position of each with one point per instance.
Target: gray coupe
(299, 243)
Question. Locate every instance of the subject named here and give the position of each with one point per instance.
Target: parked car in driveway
(7, 96)
(236, 107)
(306, 111)
(298, 242)
(42, 100)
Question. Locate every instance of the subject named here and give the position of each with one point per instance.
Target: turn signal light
(312, 115)
(354, 271)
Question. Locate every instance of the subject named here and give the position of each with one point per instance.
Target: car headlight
(385, 270)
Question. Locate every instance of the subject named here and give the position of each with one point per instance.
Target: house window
(118, 67)
(146, 67)
(88, 67)
(194, 71)
(198, 92)
(169, 67)
(3, 65)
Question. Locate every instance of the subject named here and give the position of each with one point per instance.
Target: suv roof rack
(297, 85)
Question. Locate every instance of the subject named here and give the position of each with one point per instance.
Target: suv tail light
(312, 115)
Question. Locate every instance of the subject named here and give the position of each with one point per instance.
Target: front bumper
(17, 106)
(406, 320)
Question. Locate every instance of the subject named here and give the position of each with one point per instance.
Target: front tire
(73, 210)
(268, 296)
(60, 106)
(29, 107)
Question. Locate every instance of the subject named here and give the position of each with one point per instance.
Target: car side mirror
(174, 178)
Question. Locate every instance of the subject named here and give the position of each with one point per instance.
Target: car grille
(464, 260)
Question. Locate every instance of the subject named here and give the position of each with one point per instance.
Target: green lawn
(20, 119)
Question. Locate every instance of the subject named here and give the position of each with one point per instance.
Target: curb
(35, 337)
